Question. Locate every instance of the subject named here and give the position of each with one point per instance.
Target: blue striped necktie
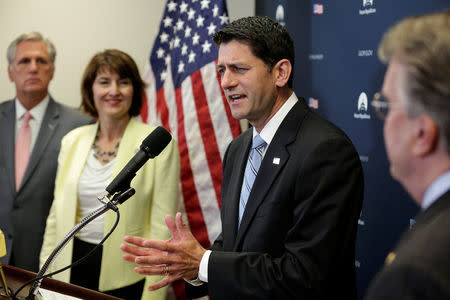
(251, 169)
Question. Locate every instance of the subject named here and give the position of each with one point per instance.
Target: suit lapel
(49, 124)
(231, 209)
(273, 163)
(7, 132)
(423, 219)
(440, 205)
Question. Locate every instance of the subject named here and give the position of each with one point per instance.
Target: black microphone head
(156, 141)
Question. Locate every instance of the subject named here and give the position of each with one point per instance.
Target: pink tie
(22, 151)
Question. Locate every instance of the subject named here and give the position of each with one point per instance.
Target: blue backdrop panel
(337, 67)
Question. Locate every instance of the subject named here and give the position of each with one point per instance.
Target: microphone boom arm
(117, 199)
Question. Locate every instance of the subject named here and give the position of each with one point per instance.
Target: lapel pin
(390, 258)
(276, 161)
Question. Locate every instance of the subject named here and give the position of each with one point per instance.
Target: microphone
(5, 291)
(151, 147)
(2, 245)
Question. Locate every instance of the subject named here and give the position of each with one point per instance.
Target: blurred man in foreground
(415, 101)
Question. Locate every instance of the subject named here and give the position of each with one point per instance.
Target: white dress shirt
(438, 188)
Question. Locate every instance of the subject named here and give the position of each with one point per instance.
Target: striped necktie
(251, 169)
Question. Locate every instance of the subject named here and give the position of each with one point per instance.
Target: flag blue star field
(184, 95)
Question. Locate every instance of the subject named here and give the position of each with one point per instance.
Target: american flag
(318, 9)
(184, 95)
(313, 103)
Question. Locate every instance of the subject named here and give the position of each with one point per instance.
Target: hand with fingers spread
(176, 258)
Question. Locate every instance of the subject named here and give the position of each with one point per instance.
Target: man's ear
(10, 74)
(282, 71)
(426, 136)
(53, 71)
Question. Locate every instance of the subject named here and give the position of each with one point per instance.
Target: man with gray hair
(415, 101)
(31, 128)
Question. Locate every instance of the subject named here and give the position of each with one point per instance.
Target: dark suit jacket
(421, 268)
(23, 213)
(297, 236)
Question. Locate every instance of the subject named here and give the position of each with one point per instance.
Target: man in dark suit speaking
(291, 193)
(31, 128)
(415, 103)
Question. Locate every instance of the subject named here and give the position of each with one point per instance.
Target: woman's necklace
(104, 157)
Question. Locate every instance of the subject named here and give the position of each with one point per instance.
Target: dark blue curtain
(338, 71)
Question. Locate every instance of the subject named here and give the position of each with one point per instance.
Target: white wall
(80, 28)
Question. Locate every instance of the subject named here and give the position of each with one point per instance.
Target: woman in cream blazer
(156, 183)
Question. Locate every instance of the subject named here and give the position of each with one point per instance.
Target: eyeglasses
(381, 105)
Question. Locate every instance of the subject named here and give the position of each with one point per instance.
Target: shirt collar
(37, 112)
(439, 187)
(268, 132)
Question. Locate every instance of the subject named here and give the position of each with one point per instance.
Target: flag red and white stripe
(184, 95)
